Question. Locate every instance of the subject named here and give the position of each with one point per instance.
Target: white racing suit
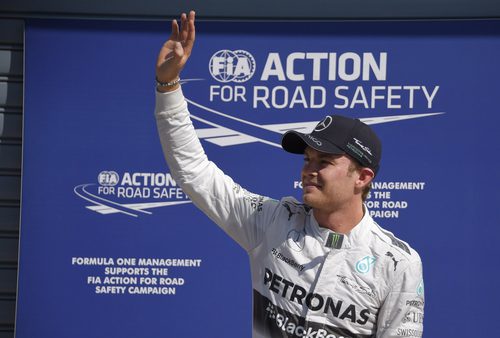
(307, 280)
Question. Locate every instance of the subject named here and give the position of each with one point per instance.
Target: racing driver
(321, 267)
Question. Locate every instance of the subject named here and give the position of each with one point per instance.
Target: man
(322, 268)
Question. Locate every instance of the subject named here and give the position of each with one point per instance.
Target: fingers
(191, 30)
(184, 28)
(179, 34)
(191, 33)
(176, 51)
(175, 31)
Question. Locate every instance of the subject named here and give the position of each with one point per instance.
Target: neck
(342, 220)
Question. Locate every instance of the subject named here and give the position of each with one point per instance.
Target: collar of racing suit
(342, 241)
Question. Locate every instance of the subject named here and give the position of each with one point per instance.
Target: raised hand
(176, 51)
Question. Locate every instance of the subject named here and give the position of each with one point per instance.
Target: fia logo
(108, 178)
(364, 264)
(232, 66)
(132, 193)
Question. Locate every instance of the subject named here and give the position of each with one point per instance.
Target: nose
(309, 169)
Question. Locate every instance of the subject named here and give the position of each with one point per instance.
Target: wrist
(167, 89)
(167, 86)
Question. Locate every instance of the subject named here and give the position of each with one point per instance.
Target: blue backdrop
(111, 247)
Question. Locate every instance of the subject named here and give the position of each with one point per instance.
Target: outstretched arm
(175, 52)
(241, 214)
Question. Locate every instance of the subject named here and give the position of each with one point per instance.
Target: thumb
(178, 50)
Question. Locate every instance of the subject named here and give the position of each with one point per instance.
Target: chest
(332, 286)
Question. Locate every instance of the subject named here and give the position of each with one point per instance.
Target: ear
(366, 175)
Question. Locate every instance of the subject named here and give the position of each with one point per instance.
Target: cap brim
(296, 143)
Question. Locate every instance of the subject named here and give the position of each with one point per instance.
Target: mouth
(310, 186)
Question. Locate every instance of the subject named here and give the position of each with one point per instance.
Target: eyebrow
(325, 155)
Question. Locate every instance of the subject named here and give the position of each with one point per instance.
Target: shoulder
(288, 210)
(284, 209)
(396, 260)
(291, 204)
(387, 241)
(399, 267)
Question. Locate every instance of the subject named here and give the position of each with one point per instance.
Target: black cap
(337, 134)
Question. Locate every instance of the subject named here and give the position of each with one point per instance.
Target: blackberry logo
(232, 66)
(271, 310)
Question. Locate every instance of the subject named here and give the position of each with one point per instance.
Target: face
(327, 182)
